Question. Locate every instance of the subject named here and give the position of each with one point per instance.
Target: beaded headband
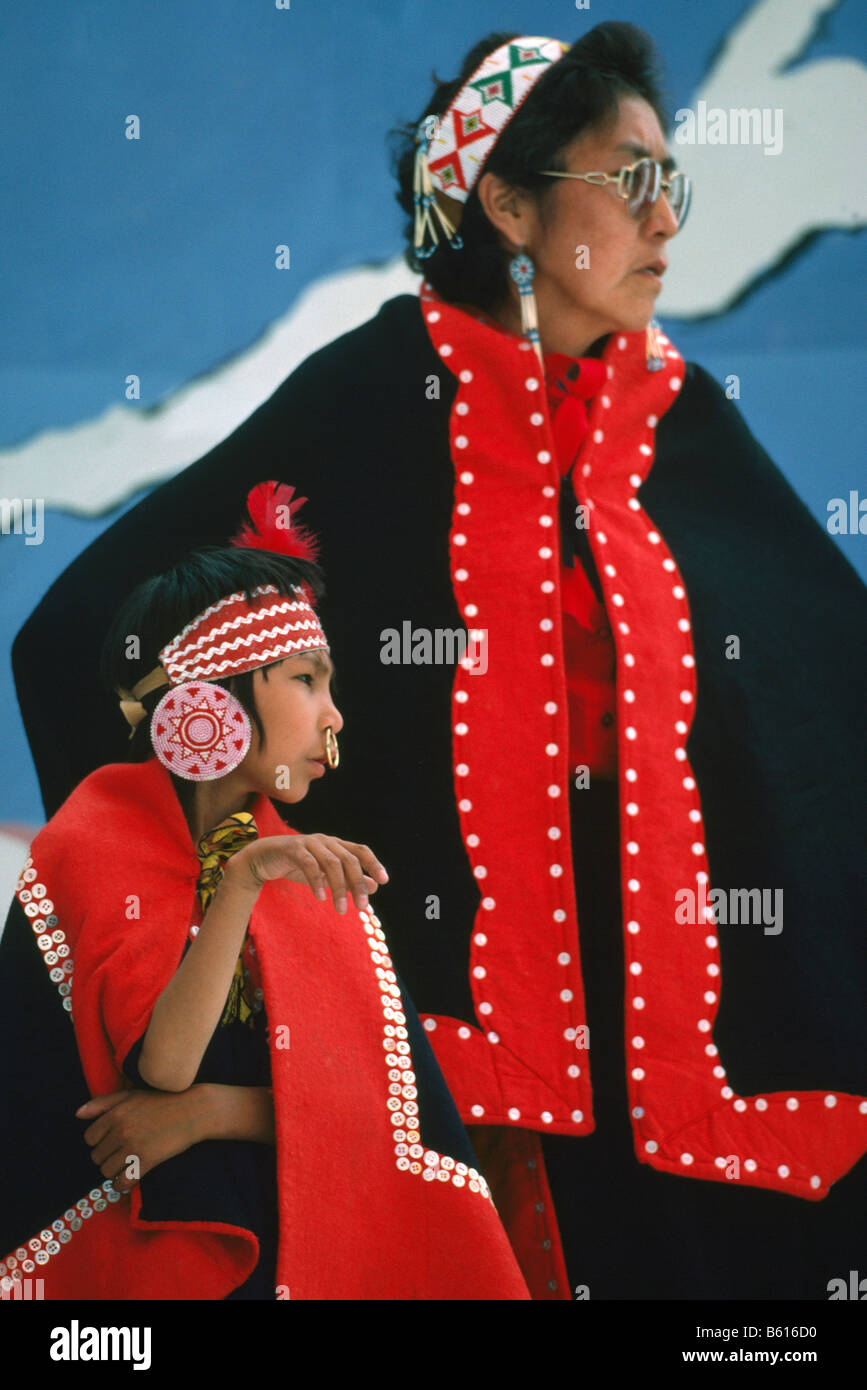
(452, 148)
(233, 636)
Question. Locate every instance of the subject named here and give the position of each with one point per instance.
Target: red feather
(270, 526)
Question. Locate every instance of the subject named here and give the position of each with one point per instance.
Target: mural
(160, 160)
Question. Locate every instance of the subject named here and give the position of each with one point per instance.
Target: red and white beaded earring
(199, 731)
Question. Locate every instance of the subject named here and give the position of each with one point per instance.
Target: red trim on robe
(588, 646)
(520, 1066)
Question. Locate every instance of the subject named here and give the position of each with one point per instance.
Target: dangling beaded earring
(653, 349)
(522, 270)
(427, 211)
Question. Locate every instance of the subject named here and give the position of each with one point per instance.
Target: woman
(674, 1138)
(202, 961)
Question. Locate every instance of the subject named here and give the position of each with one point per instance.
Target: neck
(212, 802)
(558, 331)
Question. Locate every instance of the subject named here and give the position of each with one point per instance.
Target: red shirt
(588, 646)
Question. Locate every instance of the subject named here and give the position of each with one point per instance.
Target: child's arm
(238, 1112)
(154, 1126)
(185, 1015)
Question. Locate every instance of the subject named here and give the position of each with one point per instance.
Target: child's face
(295, 707)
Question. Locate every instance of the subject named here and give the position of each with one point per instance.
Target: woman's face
(581, 297)
(295, 707)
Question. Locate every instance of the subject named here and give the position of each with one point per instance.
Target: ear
(510, 210)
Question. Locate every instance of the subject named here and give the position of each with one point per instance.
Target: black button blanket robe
(367, 1207)
(727, 1114)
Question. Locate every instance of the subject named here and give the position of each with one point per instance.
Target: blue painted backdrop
(265, 126)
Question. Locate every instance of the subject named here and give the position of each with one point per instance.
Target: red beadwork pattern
(200, 732)
(234, 636)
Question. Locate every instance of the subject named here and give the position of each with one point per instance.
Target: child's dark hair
(160, 607)
(581, 90)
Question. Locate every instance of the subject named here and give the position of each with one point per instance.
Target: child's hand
(148, 1125)
(316, 860)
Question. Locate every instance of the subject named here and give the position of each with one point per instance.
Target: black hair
(162, 605)
(580, 91)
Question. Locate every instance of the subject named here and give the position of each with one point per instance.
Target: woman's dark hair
(161, 606)
(581, 90)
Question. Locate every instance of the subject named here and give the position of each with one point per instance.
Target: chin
(288, 795)
(636, 319)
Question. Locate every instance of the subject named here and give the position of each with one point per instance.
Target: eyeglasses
(641, 184)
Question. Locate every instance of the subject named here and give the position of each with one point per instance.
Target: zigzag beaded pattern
(197, 658)
(218, 607)
(272, 611)
(477, 115)
(209, 667)
(243, 619)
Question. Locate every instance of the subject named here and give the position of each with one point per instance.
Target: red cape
(361, 1215)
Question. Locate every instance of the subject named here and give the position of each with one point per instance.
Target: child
(265, 1094)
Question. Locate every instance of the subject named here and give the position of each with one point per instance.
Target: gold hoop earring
(331, 750)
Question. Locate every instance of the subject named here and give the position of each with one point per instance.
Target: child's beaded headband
(198, 730)
(452, 148)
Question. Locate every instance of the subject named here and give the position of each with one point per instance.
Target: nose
(661, 219)
(332, 717)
